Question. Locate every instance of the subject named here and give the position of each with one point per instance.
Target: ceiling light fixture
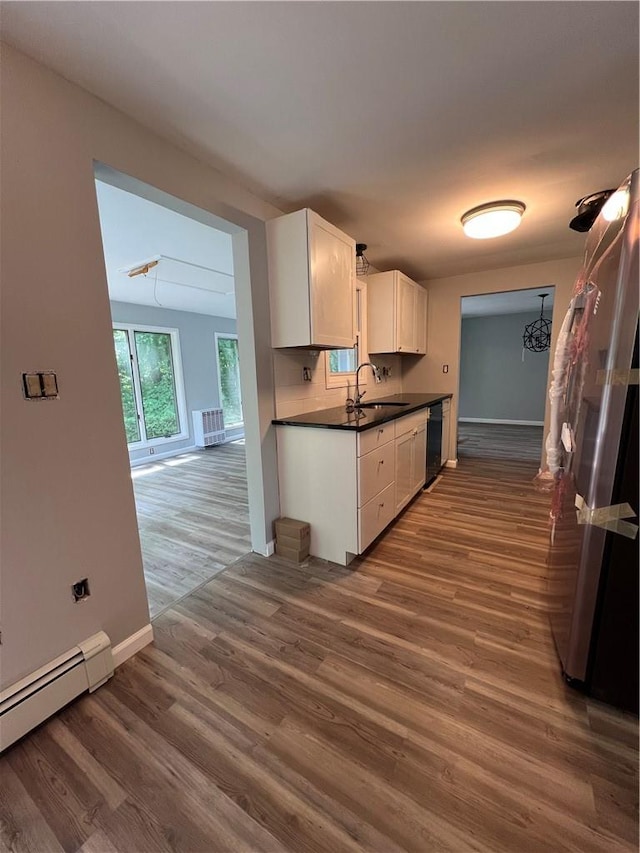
(493, 219)
(144, 267)
(617, 205)
(589, 206)
(362, 264)
(537, 335)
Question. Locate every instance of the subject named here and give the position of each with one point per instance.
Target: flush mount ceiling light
(493, 219)
(362, 264)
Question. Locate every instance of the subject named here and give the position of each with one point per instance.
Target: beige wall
(67, 501)
(443, 341)
(295, 396)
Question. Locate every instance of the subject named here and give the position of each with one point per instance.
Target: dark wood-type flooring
(499, 441)
(410, 702)
(193, 518)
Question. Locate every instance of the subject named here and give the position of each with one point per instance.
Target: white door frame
(249, 248)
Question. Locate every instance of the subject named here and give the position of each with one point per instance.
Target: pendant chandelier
(362, 264)
(537, 335)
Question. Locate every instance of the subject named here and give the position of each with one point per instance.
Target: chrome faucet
(354, 402)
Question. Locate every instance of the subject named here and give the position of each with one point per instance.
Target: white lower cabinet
(411, 456)
(375, 516)
(419, 467)
(404, 469)
(376, 471)
(348, 486)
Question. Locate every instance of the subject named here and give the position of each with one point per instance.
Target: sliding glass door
(151, 388)
(229, 379)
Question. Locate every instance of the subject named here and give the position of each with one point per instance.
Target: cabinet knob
(381, 506)
(381, 462)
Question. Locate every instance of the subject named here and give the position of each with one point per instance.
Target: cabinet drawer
(375, 516)
(411, 422)
(375, 437)
(375, 472)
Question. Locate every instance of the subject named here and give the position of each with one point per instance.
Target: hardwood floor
(410, 702)
(500, 441)
(193, 518)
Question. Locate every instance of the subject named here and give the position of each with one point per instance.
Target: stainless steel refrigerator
(593, 557)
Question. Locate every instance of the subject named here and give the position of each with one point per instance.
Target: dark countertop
(363, 419)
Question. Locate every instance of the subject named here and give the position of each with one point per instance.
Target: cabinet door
(404, 469)
(421, 320)
(332, 284)
(419, 461)
(405, 315)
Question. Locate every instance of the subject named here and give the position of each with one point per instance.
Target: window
(151, 387)
(229, 379)
(341, 364)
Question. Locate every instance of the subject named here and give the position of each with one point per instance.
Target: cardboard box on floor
(292, 539)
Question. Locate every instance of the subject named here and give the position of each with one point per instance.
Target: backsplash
(294, 395)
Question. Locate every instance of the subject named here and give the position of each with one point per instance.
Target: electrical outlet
(306, 374)
(80, 590)
(445, 368)
(152, 450)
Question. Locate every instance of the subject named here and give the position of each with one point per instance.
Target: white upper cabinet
(311, 282)
(421, 320)
(397, 314)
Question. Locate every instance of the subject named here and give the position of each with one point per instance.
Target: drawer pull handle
(380, 431)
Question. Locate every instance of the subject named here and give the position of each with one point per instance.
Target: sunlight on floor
(180, 460)
(144, 470)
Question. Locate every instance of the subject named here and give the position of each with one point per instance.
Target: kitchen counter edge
(375, 417)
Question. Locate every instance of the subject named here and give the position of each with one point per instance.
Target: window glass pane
(125, 375)
(157, 384)
(343, 360)
(229, 367)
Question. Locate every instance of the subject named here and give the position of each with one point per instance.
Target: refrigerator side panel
(610, 354)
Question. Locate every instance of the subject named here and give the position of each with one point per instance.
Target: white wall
(444, 322)
(496, 381)
(68, 508)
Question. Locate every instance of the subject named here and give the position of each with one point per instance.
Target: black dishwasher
(434, 442)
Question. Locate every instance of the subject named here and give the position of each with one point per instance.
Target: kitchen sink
(379, 405)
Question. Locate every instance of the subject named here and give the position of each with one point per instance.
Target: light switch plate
(31, 386)
(40, 385)
(50, 384)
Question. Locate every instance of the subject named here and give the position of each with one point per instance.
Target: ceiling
(388, 118)
(511, 302)
(135, 231)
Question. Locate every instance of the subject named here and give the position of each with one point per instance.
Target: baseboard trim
(451, 463)
(129, 647)
(269, 549)
(153, 457)
(499, 421)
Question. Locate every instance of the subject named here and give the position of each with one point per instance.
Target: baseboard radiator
(33, 699)
(208, 427)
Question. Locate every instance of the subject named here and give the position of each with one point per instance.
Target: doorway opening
(172, 294)
(503, 383)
